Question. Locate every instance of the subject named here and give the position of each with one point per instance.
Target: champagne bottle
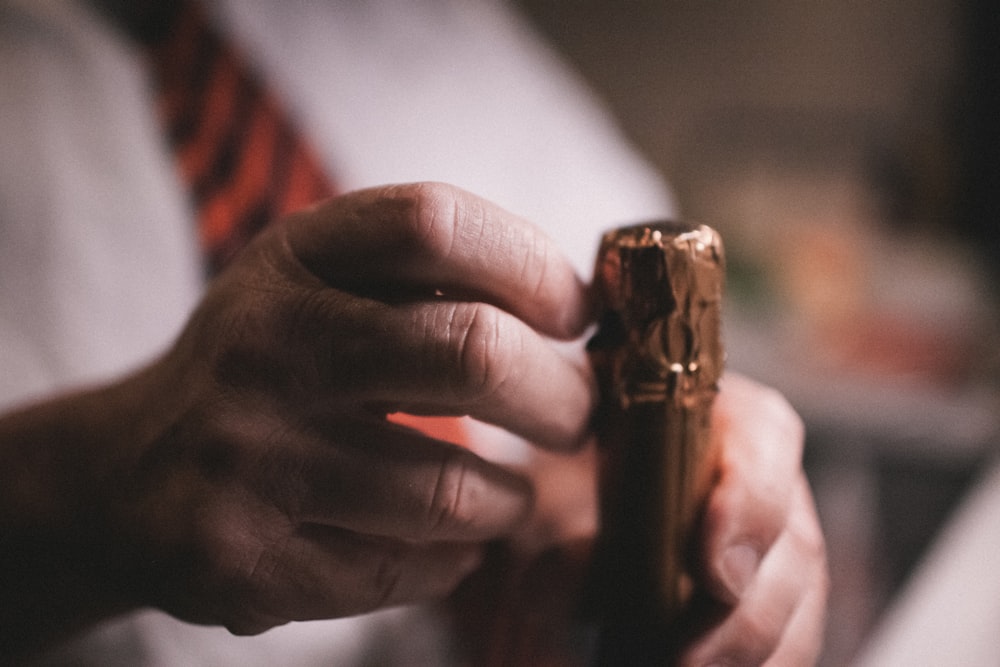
(658, 357)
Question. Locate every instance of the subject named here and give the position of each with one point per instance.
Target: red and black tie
(240, 155)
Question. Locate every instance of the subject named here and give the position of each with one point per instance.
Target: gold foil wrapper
(663, 284)
(658, 356)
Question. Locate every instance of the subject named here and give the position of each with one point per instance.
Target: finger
(445, 239)
(381, 479)
(453, 358)
(803, 639)
(330, 573)
(786, 596)
(761, 447)
(461, 358)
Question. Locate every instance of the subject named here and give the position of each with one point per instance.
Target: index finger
(443, 240)
(761, 447)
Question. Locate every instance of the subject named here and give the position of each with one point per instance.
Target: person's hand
(763, 552)
(268, 484)
(762, 575)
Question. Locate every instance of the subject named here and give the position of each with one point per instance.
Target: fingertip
(468, 558)
(519, 502)
(578, 311)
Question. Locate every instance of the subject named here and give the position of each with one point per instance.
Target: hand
(763, 553)
(266, 483)
(763, 580)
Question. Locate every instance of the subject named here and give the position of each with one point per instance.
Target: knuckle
(485, 348)
(325, 336)
(434, 216)
(776, 407)
(386, 575)
(229, 566)
(248, 347)
(448, 507)
(250, 625)
(242, 573)
(233, 558)
(304, 323)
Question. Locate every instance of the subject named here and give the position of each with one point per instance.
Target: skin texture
(248, 477)
(763, 553)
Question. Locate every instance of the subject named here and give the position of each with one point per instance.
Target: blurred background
(850, 154)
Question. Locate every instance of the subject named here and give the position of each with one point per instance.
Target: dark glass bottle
(658, 356)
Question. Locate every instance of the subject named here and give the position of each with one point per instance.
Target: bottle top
(660, 290)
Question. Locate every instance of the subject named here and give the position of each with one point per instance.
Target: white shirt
(98, 263)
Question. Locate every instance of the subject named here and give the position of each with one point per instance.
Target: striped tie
(237, 151)
(240, 156)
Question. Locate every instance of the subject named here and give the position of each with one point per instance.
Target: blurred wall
(829, 142)
(692, 80)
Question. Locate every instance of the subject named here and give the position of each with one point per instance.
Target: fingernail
(739, 565)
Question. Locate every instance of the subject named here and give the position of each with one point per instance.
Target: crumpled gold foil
(658, 356)
(663, 282)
